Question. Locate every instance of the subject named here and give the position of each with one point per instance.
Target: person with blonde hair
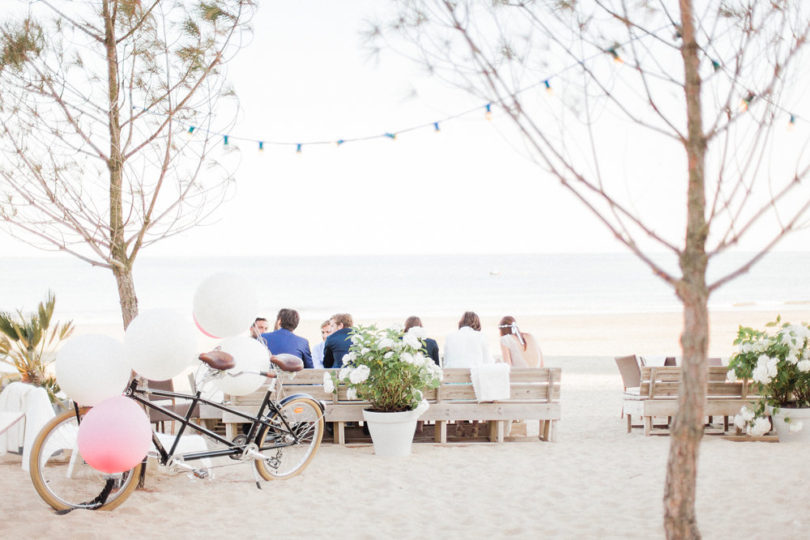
(518, 349)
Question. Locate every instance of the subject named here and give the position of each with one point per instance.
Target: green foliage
(388, 368)
(18, 43)
(778, 362)
(27, 343)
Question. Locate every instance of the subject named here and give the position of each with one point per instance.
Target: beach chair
(630, 371)
(159, 418)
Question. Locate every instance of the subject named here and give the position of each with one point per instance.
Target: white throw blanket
(34, 402)
(490, 381)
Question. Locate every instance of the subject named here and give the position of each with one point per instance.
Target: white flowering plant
(778, 361)
(386, 367)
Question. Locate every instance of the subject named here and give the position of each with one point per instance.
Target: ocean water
(397, 286)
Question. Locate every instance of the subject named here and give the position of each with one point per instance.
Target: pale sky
(306, 77)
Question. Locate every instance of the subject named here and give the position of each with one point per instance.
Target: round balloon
(114, 436)
(225, 305)
(250, 357)
(160, 344)
(92, 368)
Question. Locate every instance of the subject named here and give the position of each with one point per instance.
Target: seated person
(337, 344)
(283, 341)
(431, 348)
(519, 349)
(467, 347)
(317, 350)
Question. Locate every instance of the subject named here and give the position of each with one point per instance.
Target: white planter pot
(392, 432)
(796, 416)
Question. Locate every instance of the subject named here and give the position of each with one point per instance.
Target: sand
(596, 481)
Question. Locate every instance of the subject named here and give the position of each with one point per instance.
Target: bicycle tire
(64, 480)
(304, 416)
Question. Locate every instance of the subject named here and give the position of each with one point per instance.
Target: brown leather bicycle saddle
(218, 359)
(287, 362)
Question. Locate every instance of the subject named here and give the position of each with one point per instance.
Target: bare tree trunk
(679, 495)
(121, 265)
(126, 294)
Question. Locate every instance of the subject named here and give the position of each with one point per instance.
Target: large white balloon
(160, 344)
(249, 356)
(225, 305)
(92, 368)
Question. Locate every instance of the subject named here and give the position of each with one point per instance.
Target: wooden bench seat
(657, 395)
(534, 396)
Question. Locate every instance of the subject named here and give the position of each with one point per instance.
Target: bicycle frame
(267, 409)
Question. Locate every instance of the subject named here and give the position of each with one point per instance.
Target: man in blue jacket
(337, 344)
(282, 340)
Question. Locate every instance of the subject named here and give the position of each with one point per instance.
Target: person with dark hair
(338, 343)
(519, 349)
(317, 350)
(467, 347)
(259, 327)
(431, 348)
(283, 341)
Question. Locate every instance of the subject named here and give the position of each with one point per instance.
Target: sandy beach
(596, 481)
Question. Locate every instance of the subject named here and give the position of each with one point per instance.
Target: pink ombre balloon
(114, 436)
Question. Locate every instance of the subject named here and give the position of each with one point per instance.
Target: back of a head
(343, 318)
(410, 322)
(505, 326)
(470, 318)
(288, 319)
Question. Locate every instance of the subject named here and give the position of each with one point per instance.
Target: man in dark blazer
(337, 344)
(282, 340)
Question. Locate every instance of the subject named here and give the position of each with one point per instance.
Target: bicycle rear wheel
(64, 480)
(301, 439)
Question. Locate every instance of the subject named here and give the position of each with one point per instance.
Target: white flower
(759, 427)
(350, 357)
(359, 374)
(731, 376)
(388, 355)
(385, 343)
(760, 346)
(411, 340)
(328, 384)
(419, 359)
(351, 393)
(803, 366)
(364, 350)
(747, 414)
(760, 375)
(406, 357)
(417, 331)
(739, 421)
(344, 372)
(796, 426)
(793, 356)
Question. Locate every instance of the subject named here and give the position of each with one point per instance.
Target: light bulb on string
(392, 136)
(746, 102)
(261, 146)
(791, 122)
(298, 148)
(339, 142)
(548, 87)
(436, 127)
(191, 129)
(488, 113)
(225, 140)
(615, 54)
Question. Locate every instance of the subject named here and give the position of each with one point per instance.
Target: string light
(191, 129)
(716, 65)
(435, 126)
(548, 86)
(298, 148)
(792, 122)
(225, 140)
(616, 58)
(392, 136)
(261, 146)
(488, 114)
(339, 142)
(746, 101)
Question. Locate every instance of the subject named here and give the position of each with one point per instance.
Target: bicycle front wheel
(64, 480)
(295, 432)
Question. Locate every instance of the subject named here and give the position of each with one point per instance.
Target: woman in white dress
(467, 347)
(519, 349)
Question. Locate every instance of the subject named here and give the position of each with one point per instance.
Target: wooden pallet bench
(534, 396)
(657, 395)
